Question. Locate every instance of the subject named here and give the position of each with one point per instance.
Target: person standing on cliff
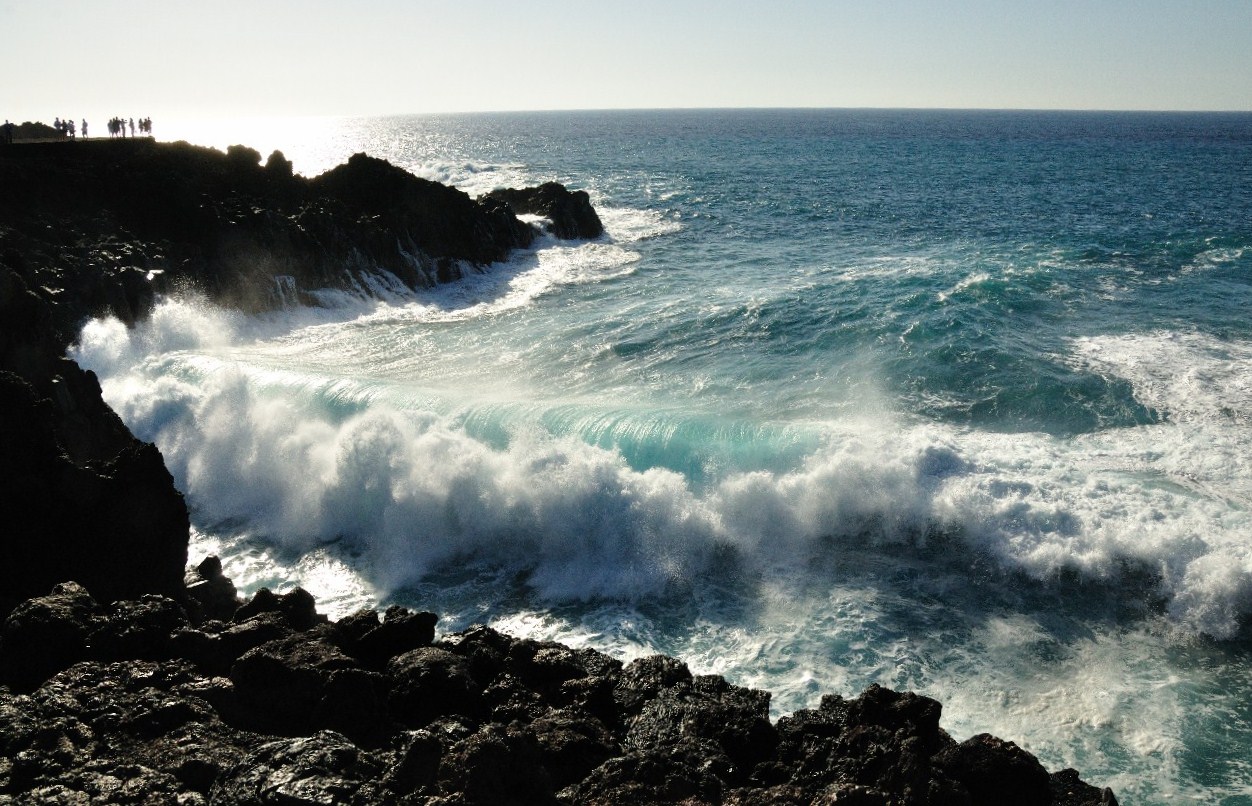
(84, 128)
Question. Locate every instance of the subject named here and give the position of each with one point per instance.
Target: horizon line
(176, 114)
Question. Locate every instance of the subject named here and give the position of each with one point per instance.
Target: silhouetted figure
(132, 127)
(84, 128)
(6, 133)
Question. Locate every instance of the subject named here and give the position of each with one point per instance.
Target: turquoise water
(953, 401)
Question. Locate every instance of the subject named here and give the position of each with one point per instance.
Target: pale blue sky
(331, 57)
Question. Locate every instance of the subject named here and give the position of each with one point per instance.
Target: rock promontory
(107, 225)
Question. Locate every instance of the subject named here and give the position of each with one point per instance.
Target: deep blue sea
(959, 402)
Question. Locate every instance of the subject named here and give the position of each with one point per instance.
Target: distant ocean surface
(957, 402)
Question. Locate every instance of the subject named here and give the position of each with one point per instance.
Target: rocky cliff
(106, 225)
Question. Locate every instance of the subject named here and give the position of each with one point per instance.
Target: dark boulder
(139, 629)
(882, 741)
(103, 733)
(211, 595)
(125, 698)
(1070, 790)
(643, 679)
(42, 636)
(431, 682)
(570, 211)
(215, 647)
(693, 771)
(297, 608)
(710, 709)
(994, 771)
(281, 684)
(243, 156)
(571, 744)
(354, 703)
(496, 765)
(278, 165)
(375, 642)
(318, 770)
(415, 768)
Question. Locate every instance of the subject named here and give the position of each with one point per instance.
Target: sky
(228, 58)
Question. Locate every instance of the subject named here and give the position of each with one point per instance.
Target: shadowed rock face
(109, 224)
(80, 497)
(319, 712)
(118, 526)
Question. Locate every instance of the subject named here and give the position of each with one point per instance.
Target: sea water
(958, 402)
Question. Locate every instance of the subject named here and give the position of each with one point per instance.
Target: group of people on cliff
(117, 126)
(67, 128)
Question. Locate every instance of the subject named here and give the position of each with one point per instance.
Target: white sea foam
(627, 224)
(475, 178)
(971, 281)
(309, 459)
(1213, 258)
(412, 491)
(1186, 377)
(251, 564)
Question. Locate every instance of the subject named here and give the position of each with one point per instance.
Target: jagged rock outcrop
(121, 703)
(80, 497)
(118, 526)
(105, 225)
(570, 211)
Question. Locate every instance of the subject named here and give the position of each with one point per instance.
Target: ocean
(957, 402)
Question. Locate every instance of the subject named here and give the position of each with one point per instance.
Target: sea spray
(307, 459)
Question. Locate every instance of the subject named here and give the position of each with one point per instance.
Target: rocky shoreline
(125, 678)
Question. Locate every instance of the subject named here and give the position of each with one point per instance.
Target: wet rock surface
(121, 703)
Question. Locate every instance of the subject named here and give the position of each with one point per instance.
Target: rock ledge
(148, 701)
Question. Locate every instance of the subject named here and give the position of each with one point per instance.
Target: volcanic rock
(569, 211)
(116, 710)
